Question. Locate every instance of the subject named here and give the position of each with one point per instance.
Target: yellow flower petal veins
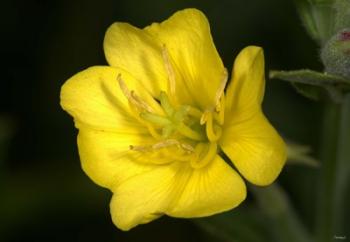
(249, 140)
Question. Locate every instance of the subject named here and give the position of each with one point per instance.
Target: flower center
(181, 120)
(187, 133)
(182, 132)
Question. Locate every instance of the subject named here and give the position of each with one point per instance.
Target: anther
(163, 144)
(142, 103)
(220, 90)
(204, 117)
(220, 115)
(139, 148)
(123, 87)
(131, 96)
(187, 147)
(169, 69)
(166, 143)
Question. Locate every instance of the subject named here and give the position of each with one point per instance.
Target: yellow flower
(153, 124)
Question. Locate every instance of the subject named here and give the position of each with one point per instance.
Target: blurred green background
(44, 194)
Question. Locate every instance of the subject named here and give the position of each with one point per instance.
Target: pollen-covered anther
(133, 99)
(188, 148)
(164, 144)
(221, 90)
(219, 115)
(142, 148)
(169, 69)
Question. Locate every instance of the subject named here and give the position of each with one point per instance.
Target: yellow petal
(106, 157)
(94, 98)
(176, 190)
(144, 197)
(255, 148)
(246, 88)
(248, 138)
(135, 51)
(188, 40)
(213, 189)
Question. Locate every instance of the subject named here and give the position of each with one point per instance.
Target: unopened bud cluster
(336, 54)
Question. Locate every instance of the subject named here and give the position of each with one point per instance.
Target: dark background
(44, 194)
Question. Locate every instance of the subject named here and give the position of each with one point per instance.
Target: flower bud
(335, 54)
(323, 18)
(342, 20)
(318, 17)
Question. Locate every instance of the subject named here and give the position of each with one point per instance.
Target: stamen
(141, 102)
(131, 96)
(204, 117)
(198, 159)
(169, 69)
(123, 86)
(165, 144)
(150, 160)
(139, 148)
(220, 115)
(220, 90)
(187, 147)
(212, 136)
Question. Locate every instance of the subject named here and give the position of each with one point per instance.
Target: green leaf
(342, 19)
(313, 84)
(310, 77)
(311, 92)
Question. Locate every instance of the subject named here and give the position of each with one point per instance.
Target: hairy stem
(283, 221)
(335, 156)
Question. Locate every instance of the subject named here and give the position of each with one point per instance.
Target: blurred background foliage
(44, 194)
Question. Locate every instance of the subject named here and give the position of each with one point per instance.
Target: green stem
(343, 166)
(335, 155)
(281, 218)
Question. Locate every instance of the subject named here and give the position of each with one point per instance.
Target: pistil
(133, 99)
